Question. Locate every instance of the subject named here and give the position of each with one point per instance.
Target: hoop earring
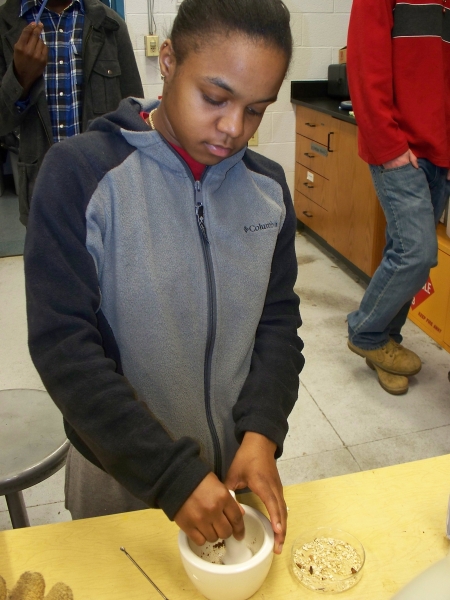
(163, 77)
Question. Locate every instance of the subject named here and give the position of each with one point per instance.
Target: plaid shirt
(63, 35)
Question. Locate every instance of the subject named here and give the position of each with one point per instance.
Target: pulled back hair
(198, 21)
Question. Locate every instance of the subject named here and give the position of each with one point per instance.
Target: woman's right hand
(210, 513)
(30, 56)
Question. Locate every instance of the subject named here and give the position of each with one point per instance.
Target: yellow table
(398, 513)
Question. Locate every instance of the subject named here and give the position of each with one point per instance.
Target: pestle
(236, 551)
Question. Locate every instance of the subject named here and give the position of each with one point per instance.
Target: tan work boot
(393, 384)
(392, 357)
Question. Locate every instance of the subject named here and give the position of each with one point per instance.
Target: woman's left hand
(254, 466)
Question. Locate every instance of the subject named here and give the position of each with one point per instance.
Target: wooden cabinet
(314, 186)
(310, 213)
(314, 125)
(334, 194)
(313, 156)
(312, 170)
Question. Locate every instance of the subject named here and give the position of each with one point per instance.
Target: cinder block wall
(319, 28)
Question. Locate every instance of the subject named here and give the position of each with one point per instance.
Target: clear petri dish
(327, 560)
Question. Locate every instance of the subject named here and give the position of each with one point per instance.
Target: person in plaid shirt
(76, 64)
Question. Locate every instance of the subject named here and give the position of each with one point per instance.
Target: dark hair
(261, 20)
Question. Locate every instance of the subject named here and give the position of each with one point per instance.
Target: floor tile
(309, 430)
(360, 411)
(49, 491)
(51, 488)
(17, 368)
(403, 448)
(317, 466)
(48, 513)
(5, 521)
(44, 514)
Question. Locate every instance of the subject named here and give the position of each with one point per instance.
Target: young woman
(160, 268)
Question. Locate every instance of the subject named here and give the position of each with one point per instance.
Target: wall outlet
(151, 45)
(253, 141)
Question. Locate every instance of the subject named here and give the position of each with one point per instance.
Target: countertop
(398, 513)
(313, 94)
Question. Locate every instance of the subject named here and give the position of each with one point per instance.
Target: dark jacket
(162, 343)
(109, 74)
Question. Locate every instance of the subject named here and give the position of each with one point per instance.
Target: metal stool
(33, 446)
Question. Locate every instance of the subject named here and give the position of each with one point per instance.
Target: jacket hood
(127, 117)
(127, 121)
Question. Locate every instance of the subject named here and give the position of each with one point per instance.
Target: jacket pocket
(105, 86)
(27, 173)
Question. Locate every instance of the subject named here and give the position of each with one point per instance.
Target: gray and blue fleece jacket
(161, 312)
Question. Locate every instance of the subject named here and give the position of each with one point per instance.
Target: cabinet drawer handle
(309, 186)
(309, 155)
(310, 125)
(329, 141)
(307, 214)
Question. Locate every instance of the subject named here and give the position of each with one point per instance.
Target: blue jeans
(413, 201)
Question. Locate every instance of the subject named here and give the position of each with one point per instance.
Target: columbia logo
(259, 227)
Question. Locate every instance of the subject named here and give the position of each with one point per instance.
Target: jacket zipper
(211, 335)
(211, 332)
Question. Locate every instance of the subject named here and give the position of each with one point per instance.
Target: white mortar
(217, 581)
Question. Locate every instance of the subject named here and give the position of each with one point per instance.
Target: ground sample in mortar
(327, 564)
(213, 553)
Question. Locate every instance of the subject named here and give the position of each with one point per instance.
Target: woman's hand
(210, 513)
(254, 466)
